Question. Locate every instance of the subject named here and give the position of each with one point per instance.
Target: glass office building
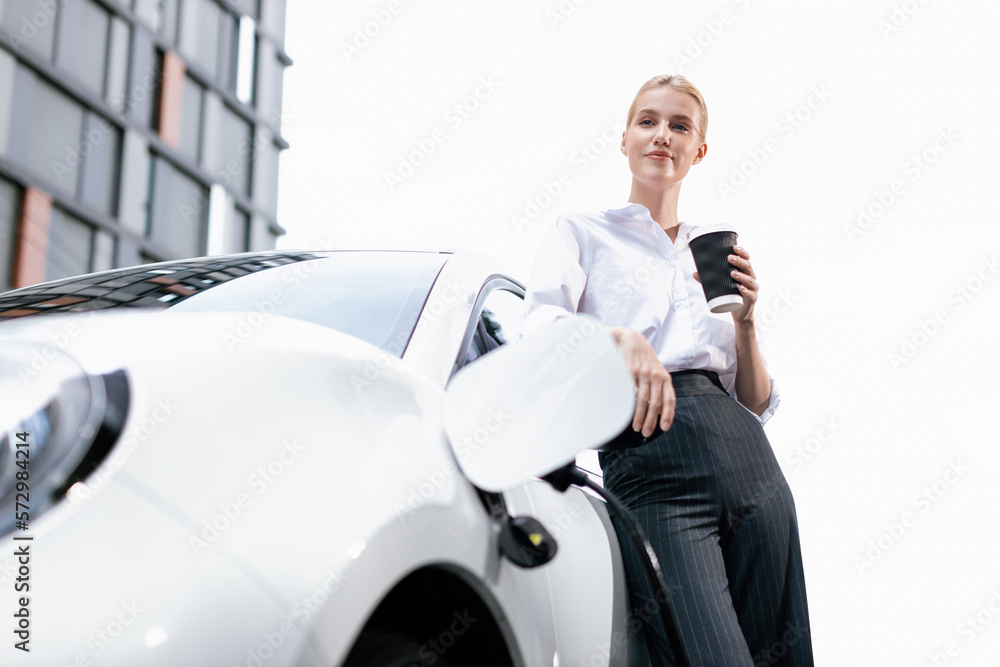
(136, 130)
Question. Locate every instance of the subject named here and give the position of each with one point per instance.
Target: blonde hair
(674, 81)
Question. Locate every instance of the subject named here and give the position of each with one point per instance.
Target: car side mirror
(530, 407)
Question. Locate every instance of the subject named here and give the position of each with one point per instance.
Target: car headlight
(57, 423)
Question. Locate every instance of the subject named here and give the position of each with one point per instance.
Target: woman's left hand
(744, 275)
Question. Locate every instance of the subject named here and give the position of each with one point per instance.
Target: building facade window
(104, 252)
(116, 84)
(10, 215)
(83, 25)
(100, 155)
(210, 35)
(236, 150)
(249, 8)
(178, 210)
(74, 151)
(270, 74)
(198, 41)
(160, 16)
(31, 25)
(144, 79)
(267, 156)
(70, 246)
(272, 19)
(55, 125)
(192, 118)
(80, 38)
(246, 60)
(167, 13)
(238, 231)
(229, 51)
(128, 190)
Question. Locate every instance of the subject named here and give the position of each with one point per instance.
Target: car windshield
(375, 296)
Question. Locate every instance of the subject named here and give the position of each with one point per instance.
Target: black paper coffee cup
(711, 246)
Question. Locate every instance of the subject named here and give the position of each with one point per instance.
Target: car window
(160, 285)
(374, 295)
(498, 324)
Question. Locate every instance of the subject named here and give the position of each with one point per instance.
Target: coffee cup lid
(711, 229)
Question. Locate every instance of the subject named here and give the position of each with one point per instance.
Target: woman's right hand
(655, 390)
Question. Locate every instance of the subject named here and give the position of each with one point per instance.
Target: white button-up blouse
(620, 267)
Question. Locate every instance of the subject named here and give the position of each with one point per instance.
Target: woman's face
(663, 141)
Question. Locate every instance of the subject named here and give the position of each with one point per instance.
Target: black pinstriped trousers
(718, 512)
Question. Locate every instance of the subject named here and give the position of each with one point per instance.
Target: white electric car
(245, 461)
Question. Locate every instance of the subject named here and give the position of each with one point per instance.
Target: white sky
(860, 434)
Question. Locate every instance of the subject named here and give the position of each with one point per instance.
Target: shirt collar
(627, 209)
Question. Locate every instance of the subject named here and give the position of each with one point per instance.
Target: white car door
(585, 581)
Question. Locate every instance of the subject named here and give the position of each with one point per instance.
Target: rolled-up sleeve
(729, 382)
(557, 277)
(772, 404)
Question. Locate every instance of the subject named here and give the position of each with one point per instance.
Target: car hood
(250, 483)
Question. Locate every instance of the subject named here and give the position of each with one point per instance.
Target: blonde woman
(696, 468)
